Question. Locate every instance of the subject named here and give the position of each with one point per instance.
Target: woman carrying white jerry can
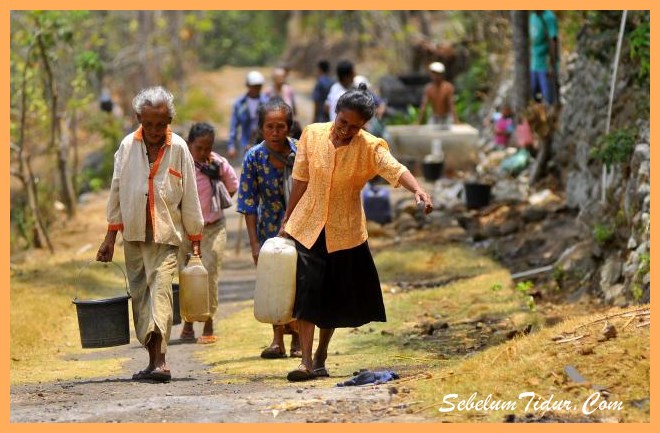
(262, 196)
(337, 283)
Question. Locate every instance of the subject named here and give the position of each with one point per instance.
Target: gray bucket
(104, 322)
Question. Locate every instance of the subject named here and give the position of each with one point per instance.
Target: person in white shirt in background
(345, 75)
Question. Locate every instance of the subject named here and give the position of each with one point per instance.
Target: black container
(415, 79)
(176, 318)
(477, 195)
(377, 206)
(432, 171)
(103, 322)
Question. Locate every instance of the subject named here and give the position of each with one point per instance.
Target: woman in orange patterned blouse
(337, 284)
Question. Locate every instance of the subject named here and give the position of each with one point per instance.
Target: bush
(197, 106)
(472, 86)
(408, 117)
(615, 147)
(640, 49)
(603, 233)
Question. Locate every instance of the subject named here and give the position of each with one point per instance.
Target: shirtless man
(440, 94)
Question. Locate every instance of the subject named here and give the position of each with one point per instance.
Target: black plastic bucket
(103, 322)
(176, 318)
(432, 171)
(477, 195)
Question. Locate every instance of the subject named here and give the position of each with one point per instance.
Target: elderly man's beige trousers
(150, 268)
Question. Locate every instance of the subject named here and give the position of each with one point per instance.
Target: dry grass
(395, 344)
(536, 364)
(45, 342)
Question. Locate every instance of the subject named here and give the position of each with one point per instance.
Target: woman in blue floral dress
(262, 196)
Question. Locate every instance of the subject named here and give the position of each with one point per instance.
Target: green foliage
(570, 24)
(241, 38)
(636, 292)
(524, 287)
(408, 117)
(602, 233)
(620, 218)
(96, 184)
(496, 287)
(197, 106)
(22, 224)
(640, 49)
(472, 85)
(110, 130)
(531, 303)
(558, 275)
(644, 264)
(615, 147)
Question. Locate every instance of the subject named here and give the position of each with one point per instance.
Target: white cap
(359, 79)
(437, 67)
(254, 78)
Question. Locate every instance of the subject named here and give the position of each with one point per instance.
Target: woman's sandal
(160, 375)
(300, 374)
(187, 336)
(207, 339)
(295, 352)
(273, 352)
(142, 374)
(321, 372)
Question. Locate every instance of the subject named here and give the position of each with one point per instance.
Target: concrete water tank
(459, 143)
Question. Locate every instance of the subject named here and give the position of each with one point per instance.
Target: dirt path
(192, 396)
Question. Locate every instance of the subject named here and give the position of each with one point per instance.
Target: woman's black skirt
(339, 289)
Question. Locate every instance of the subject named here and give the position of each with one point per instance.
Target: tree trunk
(175, 20)
(545, 153)
(145, 19)
(73, 139)
(425, 23)
(66, 184)
(66, 180)
(25, 173)
(521, 79)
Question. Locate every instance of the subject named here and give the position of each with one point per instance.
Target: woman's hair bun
(362, 87)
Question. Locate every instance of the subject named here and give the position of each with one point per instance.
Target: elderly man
(153, 201)
(440, 94)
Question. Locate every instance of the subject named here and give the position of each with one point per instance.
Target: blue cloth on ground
(366, 377)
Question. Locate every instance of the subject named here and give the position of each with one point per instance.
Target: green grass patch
(409, 262)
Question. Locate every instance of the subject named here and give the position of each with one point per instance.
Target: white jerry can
(275, 290)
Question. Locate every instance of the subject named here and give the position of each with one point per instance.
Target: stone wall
(621, 264)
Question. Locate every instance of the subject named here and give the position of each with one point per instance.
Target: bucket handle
(114, 263)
